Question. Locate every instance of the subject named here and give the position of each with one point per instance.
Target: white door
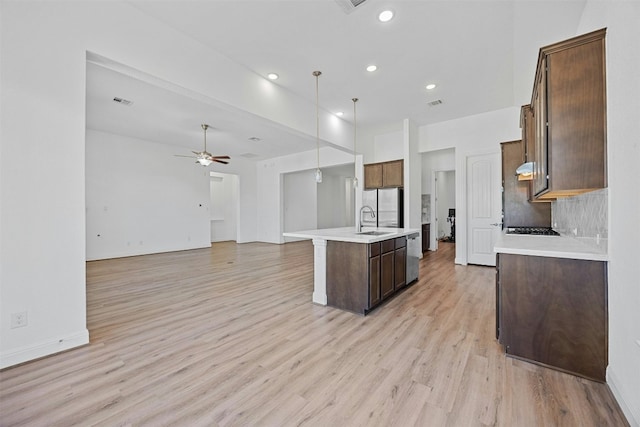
(483, 207)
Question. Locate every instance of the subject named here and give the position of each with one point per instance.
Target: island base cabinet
(387, 265)
(374, 278)
(400, 264)
(553, 311)
(361, 276)
(348, 276)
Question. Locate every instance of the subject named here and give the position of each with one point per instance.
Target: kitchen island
(551, 302)
(356, 271)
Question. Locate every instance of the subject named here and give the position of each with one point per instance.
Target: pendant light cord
(317, 74)
(354, 129)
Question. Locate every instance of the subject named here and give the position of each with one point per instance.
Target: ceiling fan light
(385, 16)
(204, 161)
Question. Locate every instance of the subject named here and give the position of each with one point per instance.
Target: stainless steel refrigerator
(387, 203)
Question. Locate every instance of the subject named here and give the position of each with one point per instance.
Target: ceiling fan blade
(180, 155)
(221, 157)
(219, 161)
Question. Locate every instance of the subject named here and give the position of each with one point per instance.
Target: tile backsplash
(583, 217)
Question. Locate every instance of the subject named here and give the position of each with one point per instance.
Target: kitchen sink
(374, 233)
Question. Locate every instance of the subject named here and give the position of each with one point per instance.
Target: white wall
(224, 207)
(388, 146)
(299, 201)
(333, 195)
(476, 134)
(269, 192)
(623, 128)
(438, 160)
(42, 111)
(140, 199)
(412, 184)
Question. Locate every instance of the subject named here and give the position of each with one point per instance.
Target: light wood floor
(229, 336)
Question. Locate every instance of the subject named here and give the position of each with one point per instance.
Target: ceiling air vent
(434, 103)
(349, 6)
(122, 101)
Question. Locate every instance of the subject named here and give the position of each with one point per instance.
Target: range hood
(525, 171)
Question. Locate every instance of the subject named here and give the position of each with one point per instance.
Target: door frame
(466, 226)
(461, 201)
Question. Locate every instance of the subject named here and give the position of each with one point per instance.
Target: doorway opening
(444, 205)
(439, 195)
(223, 191)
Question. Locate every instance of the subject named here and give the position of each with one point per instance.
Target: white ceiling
(480, 53)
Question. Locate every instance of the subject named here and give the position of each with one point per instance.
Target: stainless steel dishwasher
(413, 248)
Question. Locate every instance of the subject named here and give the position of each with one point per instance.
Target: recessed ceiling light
(339, 114)
(371, 68)
(385, 16)
(431, 86)
(272, 76)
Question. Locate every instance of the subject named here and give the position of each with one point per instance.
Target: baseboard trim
(45, 348)
(612, 382)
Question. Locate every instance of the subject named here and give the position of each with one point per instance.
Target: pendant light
(355, 167)
(318, 171)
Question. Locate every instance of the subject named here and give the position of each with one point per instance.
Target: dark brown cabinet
(373, 176)
(426, 237)
(361, 276)
(528, 126)
(384, 175)
(517, 211)
(387, 266)
(553, 311)
(374, 275)
(569, 111)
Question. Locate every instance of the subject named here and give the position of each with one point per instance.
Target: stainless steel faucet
(373, 215)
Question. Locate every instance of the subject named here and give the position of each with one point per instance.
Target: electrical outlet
(19, 320)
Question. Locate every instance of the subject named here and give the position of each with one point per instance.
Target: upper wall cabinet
(569, 114)
(384, 175)
(516, 209)
(528, 126)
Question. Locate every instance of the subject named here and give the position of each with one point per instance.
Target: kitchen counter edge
(348, 234)
(550, 246)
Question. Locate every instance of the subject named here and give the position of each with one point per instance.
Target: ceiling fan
(204, 157)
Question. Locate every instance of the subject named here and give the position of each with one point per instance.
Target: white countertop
(551, 246)
(348, 234)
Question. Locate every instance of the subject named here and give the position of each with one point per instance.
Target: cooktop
(540, 231)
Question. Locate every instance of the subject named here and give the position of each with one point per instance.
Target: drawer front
(388, 245)
(374, 249)
(400, 242)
